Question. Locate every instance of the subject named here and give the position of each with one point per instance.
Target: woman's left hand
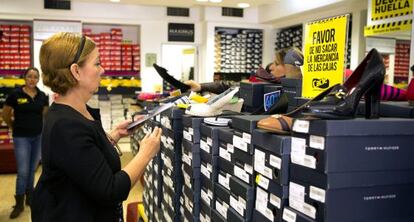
(122, 129)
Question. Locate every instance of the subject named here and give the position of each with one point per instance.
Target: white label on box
(259, 158)
(204, 146)
(236, 205)
(205, 197)
(267, 172)
(317, 142)
(187, 136)
(309, 161)
(247, 138)
(221, 209)
(230, 148)
(288, 215)
(209, 141)
(224, 181)
(263, 182)
(158, 118)
(240, 173)
(210, 194)
(275, 161)
(204, 171)
(268, 214)
(296, 191)
(190, 130)
(186, 159)
(303, 207)
(301, 126)
(224, 154)
(163, 139)
(239, 143)
(261, 198)
(209, 167)
(275, 200)
(317, 194)
(298, 146)
(248, 168)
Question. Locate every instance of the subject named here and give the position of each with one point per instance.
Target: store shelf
(11, 72)
(114, 73)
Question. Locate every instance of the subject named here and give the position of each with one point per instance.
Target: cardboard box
(372, 144)
(396, 109)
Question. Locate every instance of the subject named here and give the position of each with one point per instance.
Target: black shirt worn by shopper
(28, 112)
(81, 178)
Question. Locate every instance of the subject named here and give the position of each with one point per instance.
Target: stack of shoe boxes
(234, 190)
(117, 109)
(15, 45)
(289, 37)
(351, 170)
(190, 199)
(171, 139)
(271, 164)
(105, 111)
(148, 193)
(238, 50)
(209, 150)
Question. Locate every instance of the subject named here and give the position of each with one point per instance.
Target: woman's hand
(150, 144)
(122, 129)
(195, 87)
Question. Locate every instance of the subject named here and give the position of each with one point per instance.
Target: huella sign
(180, 32)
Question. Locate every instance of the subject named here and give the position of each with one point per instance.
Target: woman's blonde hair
(292, 72)
(57, 54)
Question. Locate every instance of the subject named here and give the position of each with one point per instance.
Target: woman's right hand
(150, 144)
(195, 87)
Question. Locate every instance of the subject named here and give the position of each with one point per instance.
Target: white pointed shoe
(213, 107)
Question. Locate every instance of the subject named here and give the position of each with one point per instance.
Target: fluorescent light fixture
(215, 1)
(243, 5)
(114, 0)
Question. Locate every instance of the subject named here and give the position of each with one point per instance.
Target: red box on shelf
(5, 28)
(126, 58)
(116, 67)
(87, 31)
(24, 40)
(25, 56)
(126, 67)
(135, 53)
(4, 39)
(116, 43)
(15, 28)
(104, 53)
(116, 63)
(14, 51)
(24, 51)
(14, 34)
(24, 34)
(25, 46)
(14, 39)
(25, 62)
(116, 31)
(16, 56)
(25, 28)
(135, 46)
(105, 36)
(116, 53)
(135, 68)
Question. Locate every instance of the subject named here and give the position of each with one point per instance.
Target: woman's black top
(81, 178)
(28, 112)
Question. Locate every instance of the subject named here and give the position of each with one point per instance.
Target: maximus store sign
(179, 32)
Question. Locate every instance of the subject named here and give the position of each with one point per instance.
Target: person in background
(286, 65)
(81, 178)
(23, 113)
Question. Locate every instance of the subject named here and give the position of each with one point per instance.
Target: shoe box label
(204, 170)
(242, 174)
(317, 194)
(222, 207)
(303, 207)
(261, 204)
(288, 215)
(239, 143)
(296, 191)
(204, 146)
(317, 142)
(238, 206)
(301, 126)
(224, 180)
(187, 135)
(205, 197)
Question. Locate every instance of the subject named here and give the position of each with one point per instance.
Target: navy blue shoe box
(217, 217)
(186, 216)
(205, 212)
(191, 154)
(172, 119)
(272, 155)
(158, 215)
(252, 94)
(243, 128)
(396, 109)
(291, 215)
(222, 200)
(206, 191)
(358, 165)
(191, 128)
(293, 89)
(190, 201)
(237, 168)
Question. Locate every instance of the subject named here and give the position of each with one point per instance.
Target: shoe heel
(372, 102)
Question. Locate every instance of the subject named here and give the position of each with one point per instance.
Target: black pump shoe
(342, 102)
(170, 79)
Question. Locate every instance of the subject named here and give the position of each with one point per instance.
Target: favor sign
(324, 54)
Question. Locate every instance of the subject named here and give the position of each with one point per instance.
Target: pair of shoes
(214, 106)
(339, 101)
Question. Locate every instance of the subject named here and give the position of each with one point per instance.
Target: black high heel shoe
(342, 103)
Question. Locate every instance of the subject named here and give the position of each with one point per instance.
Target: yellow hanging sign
(397, 26)
(324, 54)
(385, 9)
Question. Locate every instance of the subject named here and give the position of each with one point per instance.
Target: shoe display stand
(289, 37)
(402, 60)
(357, 165)
(238, 52)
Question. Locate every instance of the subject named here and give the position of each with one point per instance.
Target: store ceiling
(187, 3)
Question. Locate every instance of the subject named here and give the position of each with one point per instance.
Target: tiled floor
(7, 189)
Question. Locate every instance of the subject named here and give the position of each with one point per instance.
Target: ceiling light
(114, 0)
(243, 5)
(216, 1)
